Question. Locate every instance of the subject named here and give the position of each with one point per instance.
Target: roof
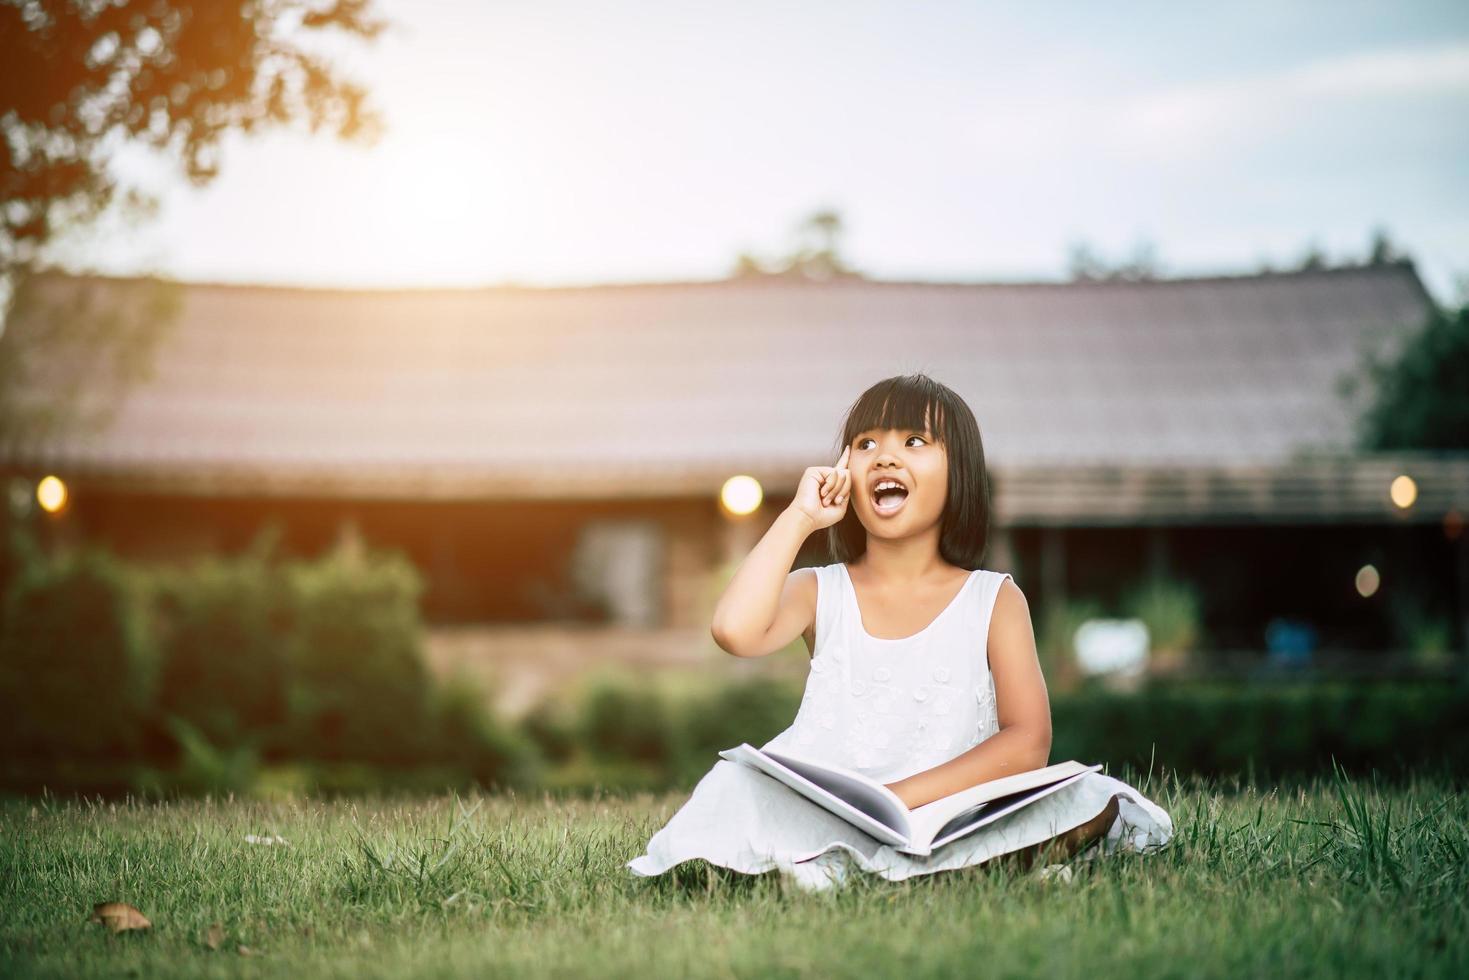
(651, 389)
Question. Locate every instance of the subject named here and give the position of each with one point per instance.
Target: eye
(870, 439)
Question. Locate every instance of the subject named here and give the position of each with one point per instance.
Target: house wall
(661, 563)
(639, 563)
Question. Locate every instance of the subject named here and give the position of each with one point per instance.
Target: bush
(204, 677)
(474, 741)
(753, 711)
(1211, 729)
(361, 687)
(77, 669)
(1278, 731)
(1170, 610)
(1056, 638)
(224, 634)
(625, 720)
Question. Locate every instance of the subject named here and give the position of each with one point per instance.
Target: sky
(555, 143)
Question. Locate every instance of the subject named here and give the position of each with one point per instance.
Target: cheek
(936, 478)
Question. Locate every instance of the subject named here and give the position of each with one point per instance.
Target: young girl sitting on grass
(923, 674)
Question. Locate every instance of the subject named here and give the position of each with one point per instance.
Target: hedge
(619, 734)
(192, 677)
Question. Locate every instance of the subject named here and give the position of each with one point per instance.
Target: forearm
(1010, 750)
(748, 606)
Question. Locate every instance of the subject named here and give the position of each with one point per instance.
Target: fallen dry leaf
(214, 936)
(244, 950)
(119, 916)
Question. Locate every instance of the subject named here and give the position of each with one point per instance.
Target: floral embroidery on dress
(984, 694)
(883, 699)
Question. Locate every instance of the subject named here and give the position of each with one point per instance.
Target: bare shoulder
(1011, 614)
(1011, 597)
(802, 583)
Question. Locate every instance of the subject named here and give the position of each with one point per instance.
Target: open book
(870, 806)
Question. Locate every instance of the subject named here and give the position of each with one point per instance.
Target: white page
(927, 820)
(987, 813)
(862, 802)
(872, 807)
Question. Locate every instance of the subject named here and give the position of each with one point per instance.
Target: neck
(905, 559)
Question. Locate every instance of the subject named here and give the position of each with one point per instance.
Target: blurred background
(389, 389)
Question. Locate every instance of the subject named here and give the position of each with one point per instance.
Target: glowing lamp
(51, 494)
(741, 494)
(1367, 580)
(1404, 491)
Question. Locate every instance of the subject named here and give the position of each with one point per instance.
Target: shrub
(754, 711)
(471, 738)
(621, 719)
(1170, 610)
(1274, 731)
(361, 688)
(1056, 637)
(223, 633)
(77, 669)
(1213, 729)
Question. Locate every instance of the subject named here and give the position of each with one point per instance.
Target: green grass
(1338, 877)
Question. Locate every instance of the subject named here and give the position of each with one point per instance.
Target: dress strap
(828, 604)
(987, 596)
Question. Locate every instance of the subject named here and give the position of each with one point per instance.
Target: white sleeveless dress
(888, 709)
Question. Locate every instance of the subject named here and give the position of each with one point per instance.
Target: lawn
(1337, 877)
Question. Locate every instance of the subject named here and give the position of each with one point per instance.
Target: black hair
(916, 401)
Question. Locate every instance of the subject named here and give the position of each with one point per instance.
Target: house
(556, 454)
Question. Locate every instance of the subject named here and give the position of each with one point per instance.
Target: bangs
(912, 403)
(918, 403)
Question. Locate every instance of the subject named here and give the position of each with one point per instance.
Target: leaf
(119, 916)
(215, 936)
(244, 950)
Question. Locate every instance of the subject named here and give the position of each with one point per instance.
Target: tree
(1312, 259)
(1084, 265)
(70, 350)
(815, 254)
(176, 75)
(1420, 398)
(1381, 251)
(81, 77)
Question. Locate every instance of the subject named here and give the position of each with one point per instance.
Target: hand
(824, 492)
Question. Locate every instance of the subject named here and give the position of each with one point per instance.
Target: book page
(929, 819)
(865, 804)
(867, 795)
(987, 813)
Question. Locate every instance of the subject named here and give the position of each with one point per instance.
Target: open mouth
(888, 497)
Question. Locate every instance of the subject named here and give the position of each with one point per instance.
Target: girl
(923, 674)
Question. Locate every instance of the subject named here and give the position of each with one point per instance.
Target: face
(913, 458)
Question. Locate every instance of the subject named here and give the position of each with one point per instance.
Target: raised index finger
(842, 459)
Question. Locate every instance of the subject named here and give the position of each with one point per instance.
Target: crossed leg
(1064, 845)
